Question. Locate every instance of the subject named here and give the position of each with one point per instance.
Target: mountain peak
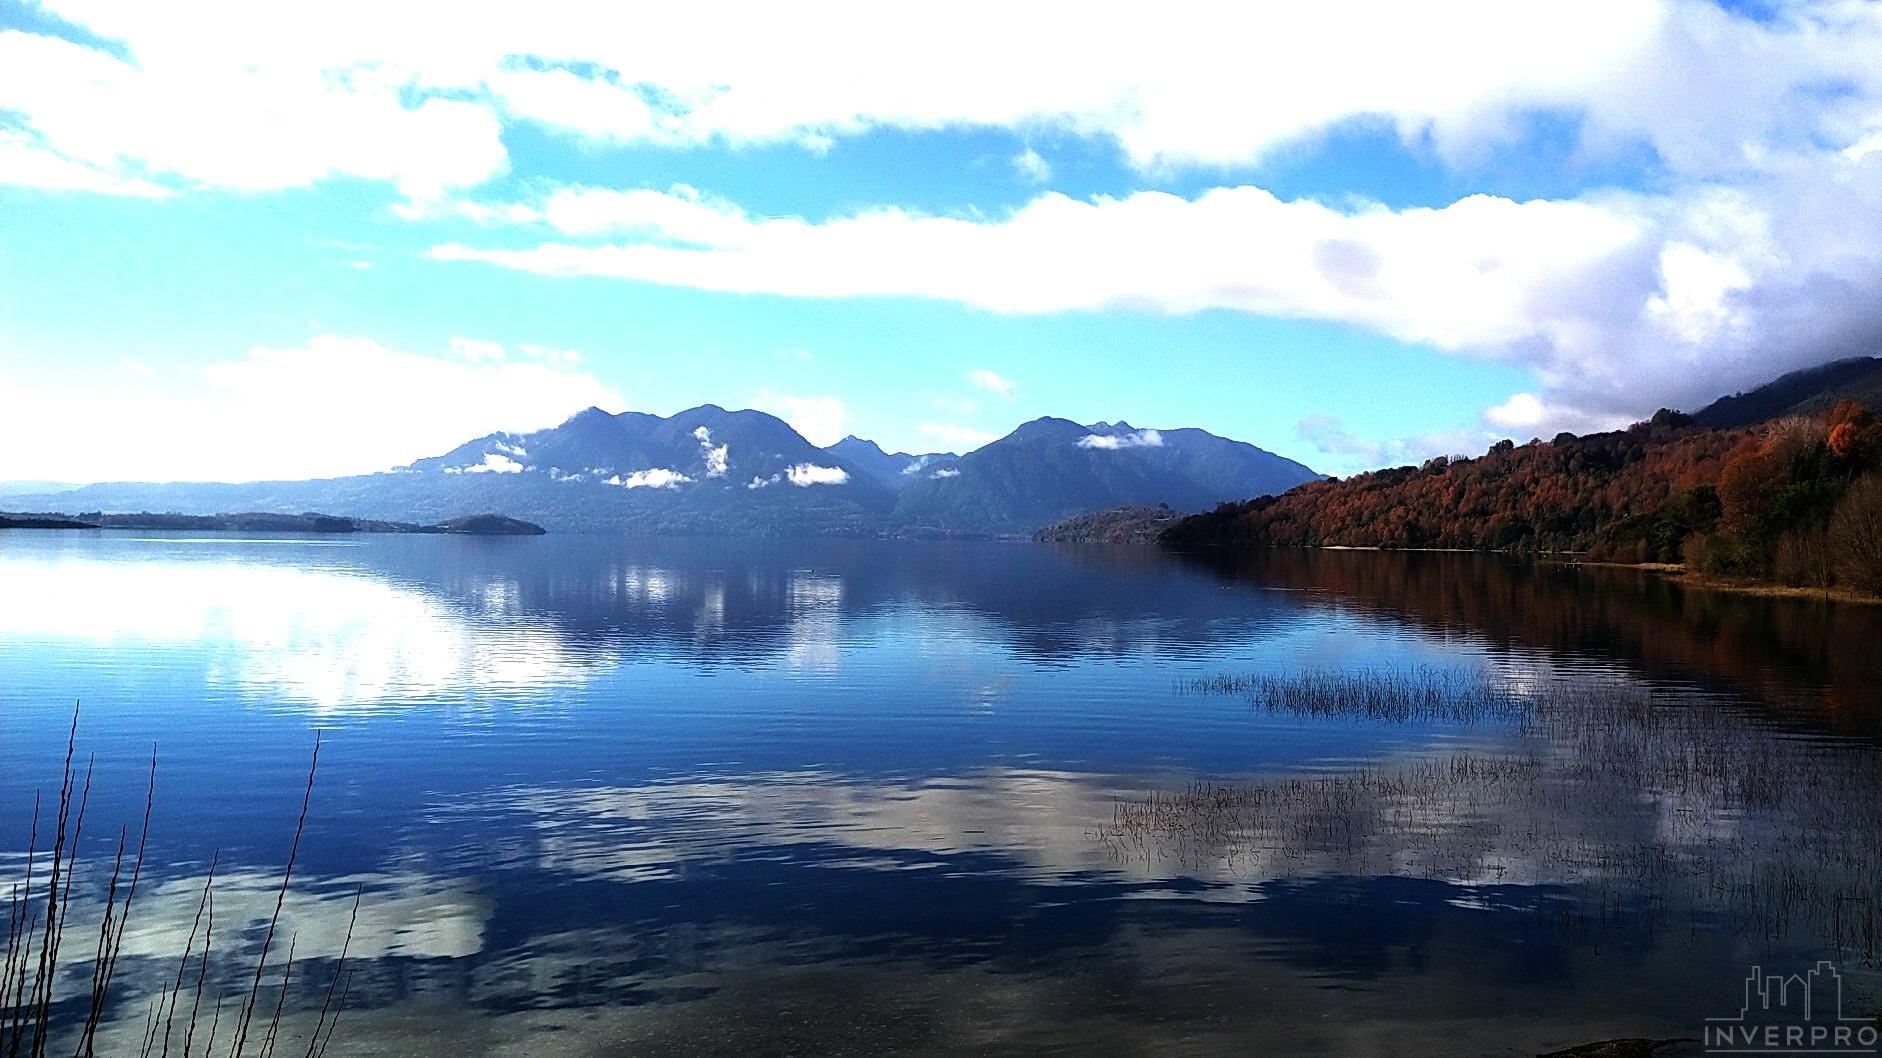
(851, 442)
(1045, 427)
(587, 415)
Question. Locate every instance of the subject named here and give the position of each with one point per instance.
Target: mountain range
(710, 470)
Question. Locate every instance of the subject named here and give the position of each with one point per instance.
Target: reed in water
(1617, 807)
(51, 1002)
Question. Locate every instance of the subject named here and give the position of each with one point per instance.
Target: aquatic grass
(1646, 812)
(1399, 695)
(35, 971)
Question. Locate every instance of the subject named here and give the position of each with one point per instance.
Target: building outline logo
(1799, 1013)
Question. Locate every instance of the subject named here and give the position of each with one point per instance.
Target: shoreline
(1679, 574)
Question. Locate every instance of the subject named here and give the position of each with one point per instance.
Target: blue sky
(330, 240)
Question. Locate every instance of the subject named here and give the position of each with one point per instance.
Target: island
(267, 522)
(42, 521)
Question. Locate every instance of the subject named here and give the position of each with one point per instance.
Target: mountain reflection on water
(612, 796)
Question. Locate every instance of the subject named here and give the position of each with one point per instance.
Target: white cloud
(476, 350)
(1138, 439)
(965, 438)
(592, 108)
(717, 457)
(652, 478)
(1203, 83)
(336, 405)
(822, 420)
(1329, 434)
(993, 383)
(249, 107)
(680, 215)
(944, 473)
(1760, 254)
(1523, 411)
(1029, 165)
(1462, 275)
(804, 475)
(26, 163)
(1531, 416)
(494, 463)
(549, 355)
(1620, 302)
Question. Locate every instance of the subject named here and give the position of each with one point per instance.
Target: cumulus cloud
(944, 473)
(335, 405)
(717, 457)
(806, 474)
(651, 478)
(1479, 272)
(1111, 442)
(1621, 302)
(248, 107)
(803, 475)
(493, 463)
(993, 383)
(1528, 415)
(822, 420)
(1202, 84)
(1756, 252)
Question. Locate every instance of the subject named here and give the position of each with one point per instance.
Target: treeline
(1796, 500)
(1799, 501)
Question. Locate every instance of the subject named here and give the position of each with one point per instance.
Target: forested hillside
(1796, 499)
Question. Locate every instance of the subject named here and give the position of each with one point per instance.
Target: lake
(601, 796)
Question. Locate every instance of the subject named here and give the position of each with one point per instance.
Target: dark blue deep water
(621, 797)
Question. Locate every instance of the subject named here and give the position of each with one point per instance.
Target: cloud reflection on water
(333, 640)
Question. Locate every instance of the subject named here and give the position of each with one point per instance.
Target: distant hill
(708, 470)
(1810, 393)
(1050, 469)
(1117, 525)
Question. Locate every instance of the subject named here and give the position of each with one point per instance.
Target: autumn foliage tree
(1854, 434)
(1755, 501)
(1855, 535)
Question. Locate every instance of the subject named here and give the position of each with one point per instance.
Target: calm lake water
(620, 797)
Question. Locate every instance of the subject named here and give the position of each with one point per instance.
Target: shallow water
(612, 796)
